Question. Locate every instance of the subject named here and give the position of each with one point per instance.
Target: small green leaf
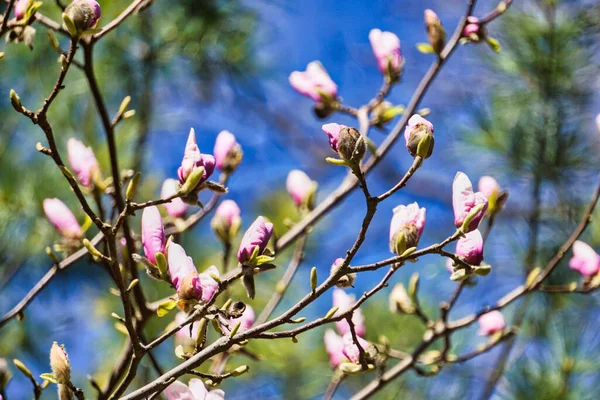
(483, 270)
(331, 312)
(263, 260)
(70, 25)
(192, 181)
(459, 275)
(425, 48)
(337, 161)
(494, 44)
(165, 307)
(47, 376)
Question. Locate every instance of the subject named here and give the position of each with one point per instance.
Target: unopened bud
(132, 186)
(404, 238)
(351, 145)
(15, 100)
(242, 369)
(81, 15)
(59, 362)
(346, 280)
(313, 278)
(419, 136)
(435, 31)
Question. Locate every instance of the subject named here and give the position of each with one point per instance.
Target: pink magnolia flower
(193, 159)
(299, 186)
(153, 233)
(472, 26)
(488, 186)
(314, 82)
(345, 301)
(470, 247)
(195, 391)
(207, 283)
(181, 266)
(333, 131)
(21, 8)
(62, 218)
(225, 146)
(183, 335)
(257, 236)
(82, 160)
(386, 47)
(585, 260)
(351, 349)
(464, 200)
(334, 345)
(176, 208)
(491, 323)
(410, 221)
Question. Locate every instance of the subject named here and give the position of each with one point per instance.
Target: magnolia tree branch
(515, 294)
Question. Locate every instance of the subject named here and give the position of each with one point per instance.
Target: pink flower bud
(228, 153)
(192, 159)
(62, 218)
(470, 247)
(472, 27)
(386, 47)
(491, 323)
(435, 31)
(300, 187)
(196, 391)
(333, 131)
(345, 301)
(153, 233)
(585, 260)
(82, 160)
(84, 14)
(207, 282)
(180, 265)
(464, 200)
(488, 186)
(227, 220)
(246, 320)
(314, 83)
(417, 129)
(257, 236)
(406, 227)
(334, 345)
(176, 208)
(21, 7)
(351, 349)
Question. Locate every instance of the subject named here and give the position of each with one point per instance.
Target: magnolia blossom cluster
(341, 346)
